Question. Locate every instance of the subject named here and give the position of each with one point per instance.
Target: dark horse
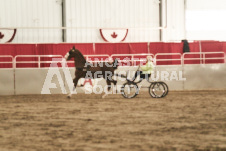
(86, 69)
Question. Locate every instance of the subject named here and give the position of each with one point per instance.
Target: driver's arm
(146, 67)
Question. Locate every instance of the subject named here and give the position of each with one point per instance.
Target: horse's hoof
(103, 96)
(69, 96)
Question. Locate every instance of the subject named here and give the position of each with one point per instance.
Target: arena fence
(6, 60)
(28, 74)
(43, 61)
(33, 60)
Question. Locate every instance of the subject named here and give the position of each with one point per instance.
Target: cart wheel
(129, 90)
(166, 89)
(157, 90)
(150, 90)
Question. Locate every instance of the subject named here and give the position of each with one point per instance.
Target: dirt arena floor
(188, 120)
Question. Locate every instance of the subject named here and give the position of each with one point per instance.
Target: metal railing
(133, 58)
(201, 57)
(213, 58)
(180, 59)
(39, 62)
(102, 56)
(88, 58)
(7, 62)
(169, 59)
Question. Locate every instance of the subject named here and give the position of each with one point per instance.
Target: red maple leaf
(114, 35)
(1, 35)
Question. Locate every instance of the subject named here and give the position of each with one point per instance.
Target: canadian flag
(113, 35)
(7, 35)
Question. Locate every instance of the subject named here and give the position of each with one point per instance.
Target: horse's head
(70, 54)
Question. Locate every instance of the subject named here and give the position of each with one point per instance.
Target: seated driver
(146, 70)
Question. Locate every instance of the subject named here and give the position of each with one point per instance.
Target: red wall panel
(121, 48)
(159, 47)
(110, 48)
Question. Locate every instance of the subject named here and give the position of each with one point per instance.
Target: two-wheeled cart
(156, 89)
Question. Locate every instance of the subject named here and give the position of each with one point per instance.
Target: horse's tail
(116, 63)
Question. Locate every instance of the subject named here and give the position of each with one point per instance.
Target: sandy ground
(189, 120)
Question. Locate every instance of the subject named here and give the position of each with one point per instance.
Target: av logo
(64, 78)
(88, 81)
(84, 82)
(113, 35)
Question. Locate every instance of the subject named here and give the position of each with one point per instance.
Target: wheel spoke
(129, 90)
(158, 89)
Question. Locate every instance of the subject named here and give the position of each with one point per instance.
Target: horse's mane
(80, 54)
(79, 58)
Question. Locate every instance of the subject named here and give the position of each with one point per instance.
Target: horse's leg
(75, 81)
(109, 87)
(115, 85)
(114, 82)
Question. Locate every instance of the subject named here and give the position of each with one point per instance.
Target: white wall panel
(88, 16)
(205, 19)
(205, 5)
(175, 30)
(32, 13)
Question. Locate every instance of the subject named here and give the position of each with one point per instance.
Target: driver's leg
(136, 74)
(147, 76)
